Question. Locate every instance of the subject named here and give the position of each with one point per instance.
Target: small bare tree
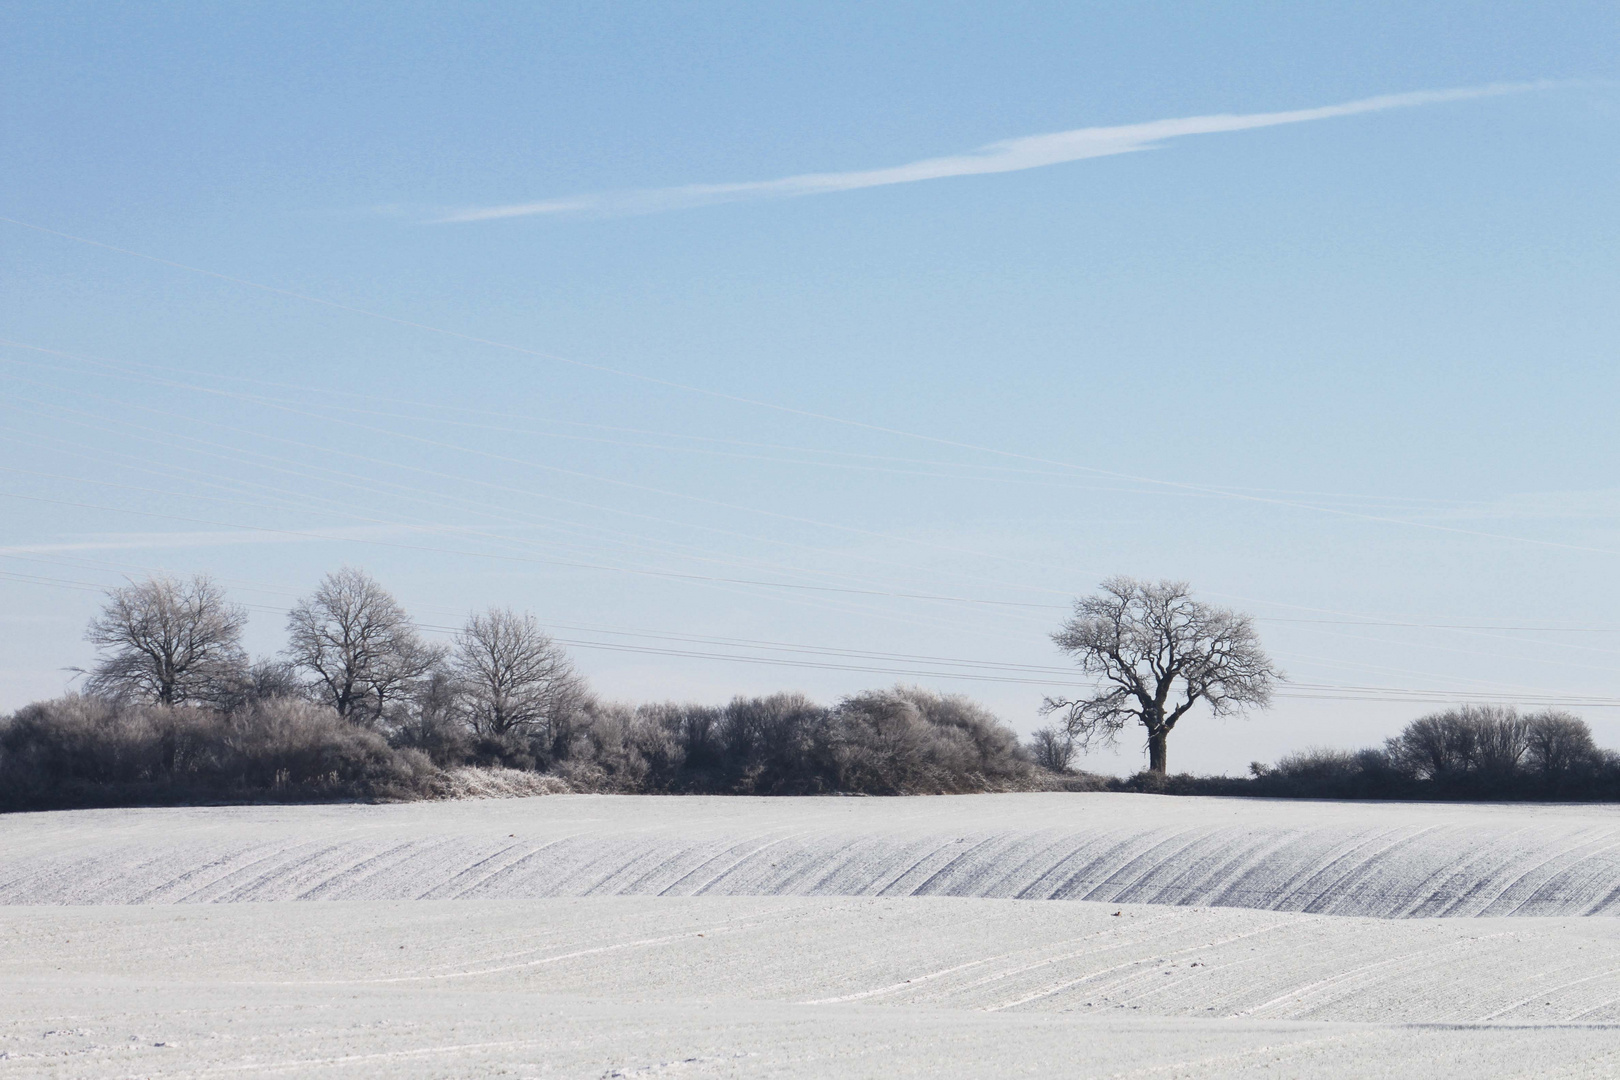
(1052, 748)
(167, 640)
(512, 677)
(359, 649)
(1155, 653)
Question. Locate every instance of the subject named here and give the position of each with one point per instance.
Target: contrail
(1008, 155)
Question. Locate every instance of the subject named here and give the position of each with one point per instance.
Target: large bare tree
(359, 649)
(1155, 653)
(512, 677)
(166, 640)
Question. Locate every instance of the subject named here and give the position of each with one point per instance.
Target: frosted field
(1073, 935)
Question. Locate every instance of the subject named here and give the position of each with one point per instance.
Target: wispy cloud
(1009, 155)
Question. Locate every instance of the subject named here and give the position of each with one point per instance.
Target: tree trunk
(1157, 751)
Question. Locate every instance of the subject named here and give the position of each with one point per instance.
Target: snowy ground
(597, 937)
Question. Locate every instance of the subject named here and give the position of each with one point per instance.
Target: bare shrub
(85, 751)
(1469, 752)
(79, 742)
(896, 741)
(1433, 746)
(167, 641)
(912, 741)
(473, 782)
(623, 749)
(1052, 748)
(265, 680)
(697, 728)
(775, 745)
(1319, 763)
(993, 744)
(879, 743)
(285, 744)
(1501, 739)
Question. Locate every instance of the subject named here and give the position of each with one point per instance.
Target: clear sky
(826, 346)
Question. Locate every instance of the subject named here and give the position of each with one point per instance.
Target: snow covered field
(600, 936)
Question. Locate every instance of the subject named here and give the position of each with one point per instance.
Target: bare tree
(359, 649)
(1155, 653)
(1559, 743)
(1501, 741)
(1440, 744)
(167, 640)
(1490, 739)
(513, 677)
(432, 724)
(1052, 748)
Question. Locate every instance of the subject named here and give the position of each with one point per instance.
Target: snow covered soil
(1384, 860)
(797, 987)
(600, 937)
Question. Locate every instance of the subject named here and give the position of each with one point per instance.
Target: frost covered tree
(166, 640)
(358, 648)
(1155, 653)
(511, 676)
(1052, 748)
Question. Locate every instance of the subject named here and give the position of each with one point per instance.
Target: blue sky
(1353, 374)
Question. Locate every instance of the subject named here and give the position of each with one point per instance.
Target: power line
(484, 425)
(303, 534)
(507, 459)
(256, 399)
(586, 476)
(1050, 673)
(917, 596)
(1020, 674)
(809, 414)
(500, 538)
(1202, 489)
(1444, 626)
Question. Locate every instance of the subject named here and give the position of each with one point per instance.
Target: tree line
(1154, 652)
(350, 647)
(1467, 752)
(359, 704)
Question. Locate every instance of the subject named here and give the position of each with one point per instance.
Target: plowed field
(1074, 935)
